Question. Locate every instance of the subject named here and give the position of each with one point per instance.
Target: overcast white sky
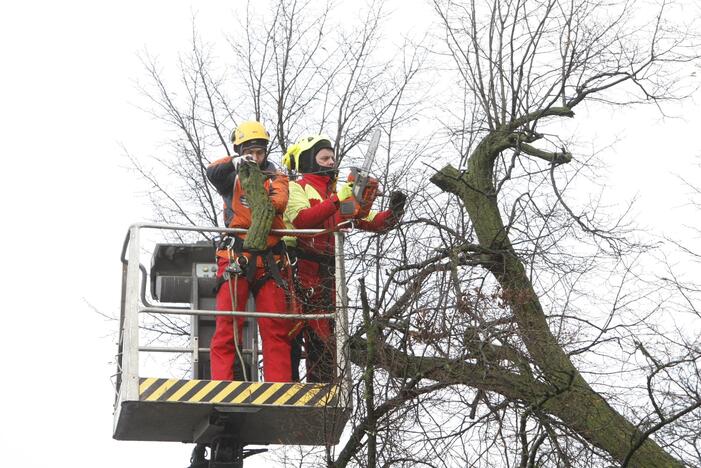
(67, 104)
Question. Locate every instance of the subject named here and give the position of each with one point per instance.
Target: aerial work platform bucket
(196, 409)
(258, 412)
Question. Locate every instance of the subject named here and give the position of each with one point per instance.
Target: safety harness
(244, 262)
(322, 259)
(326, 274)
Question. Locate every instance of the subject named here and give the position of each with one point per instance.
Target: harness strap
(321, 259)
(272, 271)
(246, 265)
(326, 275)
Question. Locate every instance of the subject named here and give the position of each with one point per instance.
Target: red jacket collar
(322, 183)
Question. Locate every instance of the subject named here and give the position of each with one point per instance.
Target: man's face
(256, 153)
(325, 158)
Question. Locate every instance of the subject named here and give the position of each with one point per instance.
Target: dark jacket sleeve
(222, 175)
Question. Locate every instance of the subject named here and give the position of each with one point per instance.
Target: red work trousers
(317, 334)
(275, 333)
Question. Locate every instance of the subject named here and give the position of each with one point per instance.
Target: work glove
(345, 192)
(238, 160)
(397, 199)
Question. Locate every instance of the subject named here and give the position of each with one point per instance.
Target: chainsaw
(364, 187)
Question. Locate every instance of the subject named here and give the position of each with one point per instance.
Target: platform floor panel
(259, 412)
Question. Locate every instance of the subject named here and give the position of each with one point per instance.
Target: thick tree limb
(562, 157)
(583, 410)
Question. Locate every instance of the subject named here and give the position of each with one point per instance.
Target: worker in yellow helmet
(314, 204)
(263, 273)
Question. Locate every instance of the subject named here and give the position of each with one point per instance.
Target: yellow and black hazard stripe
(241, 393)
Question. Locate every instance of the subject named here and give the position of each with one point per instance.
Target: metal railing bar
(176, 227)
(132, 293)
(147, 303)
(280, 232)
(162, 310)
(164, 349)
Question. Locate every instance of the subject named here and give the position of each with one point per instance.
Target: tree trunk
(572, 400)
(262, 211)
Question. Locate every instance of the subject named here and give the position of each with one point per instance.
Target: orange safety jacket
(237, 213)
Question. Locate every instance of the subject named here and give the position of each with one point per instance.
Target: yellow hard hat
(252, 132)
(300, 156)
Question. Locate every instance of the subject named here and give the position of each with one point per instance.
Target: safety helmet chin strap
(331, 172)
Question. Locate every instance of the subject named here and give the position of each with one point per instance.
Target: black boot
(296, 356)
(321, 359)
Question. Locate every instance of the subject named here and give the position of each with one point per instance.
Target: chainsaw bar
(367, 163)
